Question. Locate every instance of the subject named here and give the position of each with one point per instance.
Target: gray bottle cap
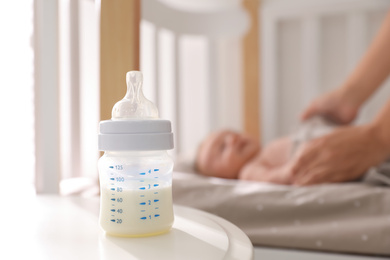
(135, 135)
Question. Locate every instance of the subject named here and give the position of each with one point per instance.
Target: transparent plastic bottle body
(136, 193)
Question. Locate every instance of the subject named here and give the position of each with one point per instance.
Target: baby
(227, 154)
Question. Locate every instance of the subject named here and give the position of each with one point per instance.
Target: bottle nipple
(134, 104)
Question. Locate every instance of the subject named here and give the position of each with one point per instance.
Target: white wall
(308, 48)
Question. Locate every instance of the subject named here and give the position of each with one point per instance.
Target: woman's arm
(342, 104)
(381, 125)
(373, 68)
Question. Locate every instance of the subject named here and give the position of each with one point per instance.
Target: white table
(54, 227)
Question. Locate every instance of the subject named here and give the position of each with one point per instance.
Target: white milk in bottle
(135, 171)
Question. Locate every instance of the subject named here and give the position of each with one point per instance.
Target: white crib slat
(74, 105)
(69, 90)
(176, 68)
(311, 58)
(213, 96)
(269, 102)
(46, 98)
(156, 65)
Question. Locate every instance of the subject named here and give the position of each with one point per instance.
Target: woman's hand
(337, 106)
(344, 155)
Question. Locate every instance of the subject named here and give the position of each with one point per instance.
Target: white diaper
(310, 129)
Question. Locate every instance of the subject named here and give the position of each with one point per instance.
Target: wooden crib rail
(251, 71)
(119, 49)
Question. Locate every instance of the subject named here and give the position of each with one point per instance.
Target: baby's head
(223, 154)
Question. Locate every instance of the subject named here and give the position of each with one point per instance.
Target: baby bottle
(135, 171)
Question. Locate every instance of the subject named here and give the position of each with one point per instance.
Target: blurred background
(246, 65)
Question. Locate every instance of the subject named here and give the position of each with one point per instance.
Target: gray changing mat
(345, 217)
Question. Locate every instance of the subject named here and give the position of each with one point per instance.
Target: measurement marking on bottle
(156, 200)
(142, 173)
(155, 185)
(113, 189)
(113, 210)
(112, 220)
(156, 208)
(156, 170)
(156, 215)
(111, 167)
(142, 203)
(113, 199)
(142, 196)
(143, 210)
(143, 218)
(113, 179)
(156, 192)
(142, 188)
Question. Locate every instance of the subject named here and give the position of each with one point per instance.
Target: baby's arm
(271, 164)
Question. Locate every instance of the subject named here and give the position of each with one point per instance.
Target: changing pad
(346, 217)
